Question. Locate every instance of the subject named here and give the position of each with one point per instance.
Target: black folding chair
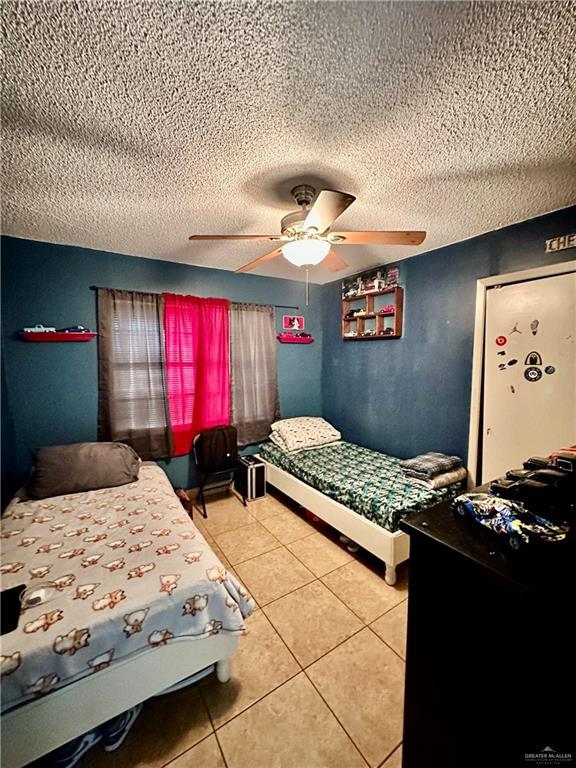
(216, 454)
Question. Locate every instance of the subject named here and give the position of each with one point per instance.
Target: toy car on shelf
(388, 309)
(75, 329)
(38, 329)
(369, 332)
(374, 286)
(510, 520)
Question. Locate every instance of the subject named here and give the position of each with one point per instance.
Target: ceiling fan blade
(328, 205)
(377, 238)
(235, 237)
(334, 262)
(260, 260)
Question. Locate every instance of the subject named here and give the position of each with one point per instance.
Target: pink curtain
(197, 344)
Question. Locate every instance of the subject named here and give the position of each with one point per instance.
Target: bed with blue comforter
(370, 483)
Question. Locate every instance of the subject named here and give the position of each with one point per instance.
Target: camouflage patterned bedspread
(370, 483)
(129, 572)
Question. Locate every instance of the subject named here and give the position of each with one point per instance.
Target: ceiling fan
(306, 235)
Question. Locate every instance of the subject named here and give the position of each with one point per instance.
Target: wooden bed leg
(223, 669)
(390, 575)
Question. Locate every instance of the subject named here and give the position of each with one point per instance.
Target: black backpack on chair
(216, 448)
(215, 452)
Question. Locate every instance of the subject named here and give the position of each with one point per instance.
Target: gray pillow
(62, 469)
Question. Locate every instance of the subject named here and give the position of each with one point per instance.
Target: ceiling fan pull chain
(307, 293)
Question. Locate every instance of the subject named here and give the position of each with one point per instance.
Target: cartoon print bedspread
(368, 482)
(131, 571)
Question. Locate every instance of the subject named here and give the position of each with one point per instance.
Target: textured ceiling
(128, 125)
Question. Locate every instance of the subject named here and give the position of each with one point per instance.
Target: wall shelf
(377, 326)
(293, 338)
(56, 336)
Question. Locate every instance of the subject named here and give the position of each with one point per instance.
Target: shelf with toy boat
(294, 338)
(42, 333)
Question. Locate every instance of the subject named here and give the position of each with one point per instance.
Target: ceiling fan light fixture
(306, 253)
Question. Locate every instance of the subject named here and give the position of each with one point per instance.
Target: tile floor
(318, 681)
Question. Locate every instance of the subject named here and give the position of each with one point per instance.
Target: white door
(529, 372)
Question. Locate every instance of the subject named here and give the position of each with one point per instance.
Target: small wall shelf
(56, 336)
(373, 323)
(293, 338)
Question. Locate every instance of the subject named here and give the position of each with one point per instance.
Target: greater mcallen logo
(548, 756)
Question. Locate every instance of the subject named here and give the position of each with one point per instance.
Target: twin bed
(359, 492)
(136, 601)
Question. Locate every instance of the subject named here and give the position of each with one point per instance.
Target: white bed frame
(41, 725)
(392, 548)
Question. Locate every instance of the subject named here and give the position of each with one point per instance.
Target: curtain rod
(276, 306)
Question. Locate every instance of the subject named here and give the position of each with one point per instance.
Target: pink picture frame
(293, 322)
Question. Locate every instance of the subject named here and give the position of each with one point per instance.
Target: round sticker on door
(501, 340)
(532, 374)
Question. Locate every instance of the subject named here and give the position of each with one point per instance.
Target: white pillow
(303, 432)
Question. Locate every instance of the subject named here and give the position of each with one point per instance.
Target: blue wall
(401, 396)
(411, 395)
(49, 391)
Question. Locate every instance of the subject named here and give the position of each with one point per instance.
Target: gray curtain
(132, 392)
(254, 380)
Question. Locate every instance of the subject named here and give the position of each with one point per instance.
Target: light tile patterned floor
(318, 681)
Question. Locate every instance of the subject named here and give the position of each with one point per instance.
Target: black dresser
(491, 649)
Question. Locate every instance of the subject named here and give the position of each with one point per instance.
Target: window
(171, 366)
(133, 405)
(255, 401)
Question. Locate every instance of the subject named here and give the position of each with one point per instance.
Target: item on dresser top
(303, 432)
(539, 490)
(427, 465)
(509, 519)
(571, 449)
(445, 479)
(63, 469)
(537, 462)
(565, 460)
(518, 474)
